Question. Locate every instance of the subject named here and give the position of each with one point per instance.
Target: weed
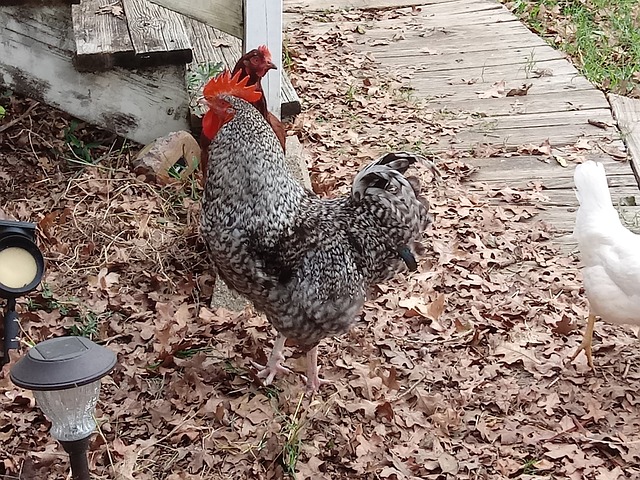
(3, 112)
(190, 352)
(530, 65)
(351, 94)
(291, 431)
(529, 467)
(87, 324)
(80, 150)
(287, 61)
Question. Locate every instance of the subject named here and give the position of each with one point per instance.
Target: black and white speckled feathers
(305, 262)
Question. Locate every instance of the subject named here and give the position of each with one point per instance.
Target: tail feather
(387, 173)
(591, 186)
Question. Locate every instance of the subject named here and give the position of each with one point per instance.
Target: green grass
(601, 36)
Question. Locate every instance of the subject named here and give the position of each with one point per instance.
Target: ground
(458, 371)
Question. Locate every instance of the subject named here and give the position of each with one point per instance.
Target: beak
(271, 66)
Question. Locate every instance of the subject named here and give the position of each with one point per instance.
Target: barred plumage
(304, 261)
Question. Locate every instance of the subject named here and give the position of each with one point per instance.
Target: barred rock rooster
(609, 252)
(305, 262)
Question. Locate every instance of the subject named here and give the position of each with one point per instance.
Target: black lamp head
(62, 363)
(21, 262)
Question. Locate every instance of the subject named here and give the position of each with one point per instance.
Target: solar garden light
(64, 374)
(21, 269)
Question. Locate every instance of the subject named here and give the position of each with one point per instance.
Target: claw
(270, 371)
(274, 365)
(312, 379)
(586, 343)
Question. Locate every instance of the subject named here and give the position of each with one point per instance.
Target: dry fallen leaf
(114, 9)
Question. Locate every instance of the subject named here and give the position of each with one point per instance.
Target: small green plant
(202, 73)
(529, 467)
(351, 94)
(287, 61)
(3, 112)
(291, 432)
(197, 78)
(190, 352)
(86, 325)
(81, 151)
(530, 65)
(50, 302)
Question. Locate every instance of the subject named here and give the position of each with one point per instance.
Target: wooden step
(139, 33)
(133, 34)
(36, 54)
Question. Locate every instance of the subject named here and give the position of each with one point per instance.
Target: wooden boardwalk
(456, 53)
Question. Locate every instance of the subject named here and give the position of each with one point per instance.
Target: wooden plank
(442, 91)
(627, 113)
(325, 5)
(212, 46)
(523, 169)
(158, 34)
(575, 118)
(263, 26)
(454, 40)
(567, 197)
(536, 101)
(520, 171)
(422, 78)
(524, 60)
(225, 15)
(429, 17)
(516, 137)
(36, 54)
(7, 3)
(102, 40)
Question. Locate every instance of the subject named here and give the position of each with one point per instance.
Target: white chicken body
(609, 252)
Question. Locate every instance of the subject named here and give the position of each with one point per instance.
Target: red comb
(225, 84)
(264, 50)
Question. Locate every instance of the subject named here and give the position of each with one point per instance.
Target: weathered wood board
(627, 114)
(323, 5)
(102, 40)
(36, 52)
(6, 3)
(225, 15)
(157, 33)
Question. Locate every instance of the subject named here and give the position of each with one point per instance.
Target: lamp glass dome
(71, 411)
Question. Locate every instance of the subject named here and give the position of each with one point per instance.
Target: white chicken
(609, 252)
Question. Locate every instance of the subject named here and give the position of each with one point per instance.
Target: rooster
(253, 65)
(305, 262)
(609, 252)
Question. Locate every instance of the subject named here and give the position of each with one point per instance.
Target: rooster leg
(312, 378)
(586, 342)
(274, 365)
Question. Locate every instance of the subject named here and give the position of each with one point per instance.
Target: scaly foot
(312, 379)
(586, 343)
(274, 366)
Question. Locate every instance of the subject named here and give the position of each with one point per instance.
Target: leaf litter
(456, 371)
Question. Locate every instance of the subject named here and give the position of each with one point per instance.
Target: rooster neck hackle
(220, 110)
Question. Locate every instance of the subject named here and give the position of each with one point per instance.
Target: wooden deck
(456, 52)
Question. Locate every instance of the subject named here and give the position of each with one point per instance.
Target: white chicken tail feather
(591, 186)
